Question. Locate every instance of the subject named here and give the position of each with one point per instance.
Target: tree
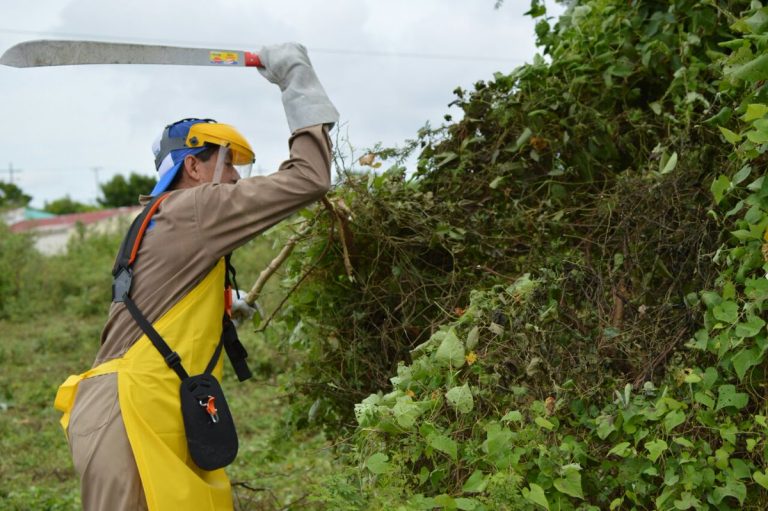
(66, 205)
(11, 196)
(118, 191)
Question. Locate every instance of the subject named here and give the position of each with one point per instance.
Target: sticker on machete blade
(223, 57)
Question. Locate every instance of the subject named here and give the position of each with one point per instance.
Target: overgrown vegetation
(563, 307)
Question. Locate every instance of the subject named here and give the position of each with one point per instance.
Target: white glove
(241, 311)
(304, 99)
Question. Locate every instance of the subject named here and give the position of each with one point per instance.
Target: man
(122, 417)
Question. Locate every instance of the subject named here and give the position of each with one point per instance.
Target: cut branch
(273, 266)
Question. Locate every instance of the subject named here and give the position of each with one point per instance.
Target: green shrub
(570, 290)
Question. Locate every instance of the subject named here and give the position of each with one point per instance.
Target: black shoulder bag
(208, 425)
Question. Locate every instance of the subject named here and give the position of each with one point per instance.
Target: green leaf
(755, 111)
(472, 337)
(710, 377)
(730, 136)
(443, 444)
(738, 207)
(733, 44)
(655, 448)
(621, 450)
(761, 478)
(732, 488)
(720, 118)
(754, 215)
(757, 136)
(753, 71)
(744, 235)
(406, 412)
(523, 138)
(751, 328)
(727, 312)
(687, 501)
(719, 187)
(514, 415)
(758, 22)
(742, 174)
(444, 501)
(377, 463)
(496, 182)
(683, 442)
(461, 398)
(673, 419)
(446, 158)
(570, 483)
(692, 377)
(728, 433)
(728, 397)
(704, 399)
(466, 504)
(536, 495)
(741, 470)
(605, 426)
(671, 164)
(451, 350)
(476, 483)
(544, 423)
(711, 298)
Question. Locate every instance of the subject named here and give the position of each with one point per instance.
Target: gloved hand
(304, 99)
(241, 311)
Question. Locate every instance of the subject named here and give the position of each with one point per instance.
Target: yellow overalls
(149, 401)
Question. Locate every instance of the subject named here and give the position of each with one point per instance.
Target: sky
(389, 66)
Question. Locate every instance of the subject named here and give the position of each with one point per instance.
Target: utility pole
(96, 177)
(11, 171)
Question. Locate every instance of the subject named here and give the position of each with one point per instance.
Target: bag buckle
(210, 408)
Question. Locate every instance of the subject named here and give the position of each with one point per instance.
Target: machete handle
(252, 60)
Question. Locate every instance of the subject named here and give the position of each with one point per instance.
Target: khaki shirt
(195, 227)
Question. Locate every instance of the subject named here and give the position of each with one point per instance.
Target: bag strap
(171, 357)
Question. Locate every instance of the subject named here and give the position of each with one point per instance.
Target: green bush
(570, 290)
(17, 261)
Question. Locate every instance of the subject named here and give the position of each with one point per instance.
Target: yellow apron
(149, 401)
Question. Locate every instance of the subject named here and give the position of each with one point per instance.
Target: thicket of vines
(563, 306)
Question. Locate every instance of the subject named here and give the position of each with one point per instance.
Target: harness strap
(235, 350)
(121, 287)
(130, 244)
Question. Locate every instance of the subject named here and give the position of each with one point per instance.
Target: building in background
(52, 233)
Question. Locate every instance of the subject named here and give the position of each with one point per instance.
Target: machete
(69, 53)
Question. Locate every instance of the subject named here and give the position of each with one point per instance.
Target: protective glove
(304, 99)
(241, 311)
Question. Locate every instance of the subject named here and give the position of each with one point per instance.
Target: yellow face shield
(235, 149)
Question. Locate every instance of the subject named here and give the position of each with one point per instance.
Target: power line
(219, 44)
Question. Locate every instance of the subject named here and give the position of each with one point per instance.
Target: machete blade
(67, 53)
